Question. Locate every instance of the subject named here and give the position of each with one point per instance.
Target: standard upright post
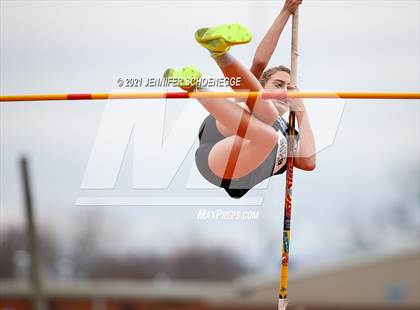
(38, 301)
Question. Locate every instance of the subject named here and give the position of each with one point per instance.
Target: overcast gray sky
(54, 47)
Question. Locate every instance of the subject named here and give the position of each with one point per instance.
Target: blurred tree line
(398, 219)
(87, 260)
(396, 223)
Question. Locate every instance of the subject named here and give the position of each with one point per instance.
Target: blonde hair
(269, 72)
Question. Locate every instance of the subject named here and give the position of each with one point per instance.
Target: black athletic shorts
(209, 135)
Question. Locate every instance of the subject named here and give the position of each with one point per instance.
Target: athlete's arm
(305, 155)
(268, 44)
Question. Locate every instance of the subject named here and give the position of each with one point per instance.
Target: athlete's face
(279, 81)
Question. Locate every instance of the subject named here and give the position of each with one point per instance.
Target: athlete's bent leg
(251, 155)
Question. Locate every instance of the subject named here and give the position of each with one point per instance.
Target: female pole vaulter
(263, 149)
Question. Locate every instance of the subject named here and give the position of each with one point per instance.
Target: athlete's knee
(272, 117)
(270, 114)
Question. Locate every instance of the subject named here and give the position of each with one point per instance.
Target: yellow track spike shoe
(218, 40)
(187, 78)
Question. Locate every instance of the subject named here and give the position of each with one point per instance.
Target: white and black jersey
(274, 164)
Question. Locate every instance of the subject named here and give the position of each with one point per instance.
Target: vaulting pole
(289, 174)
